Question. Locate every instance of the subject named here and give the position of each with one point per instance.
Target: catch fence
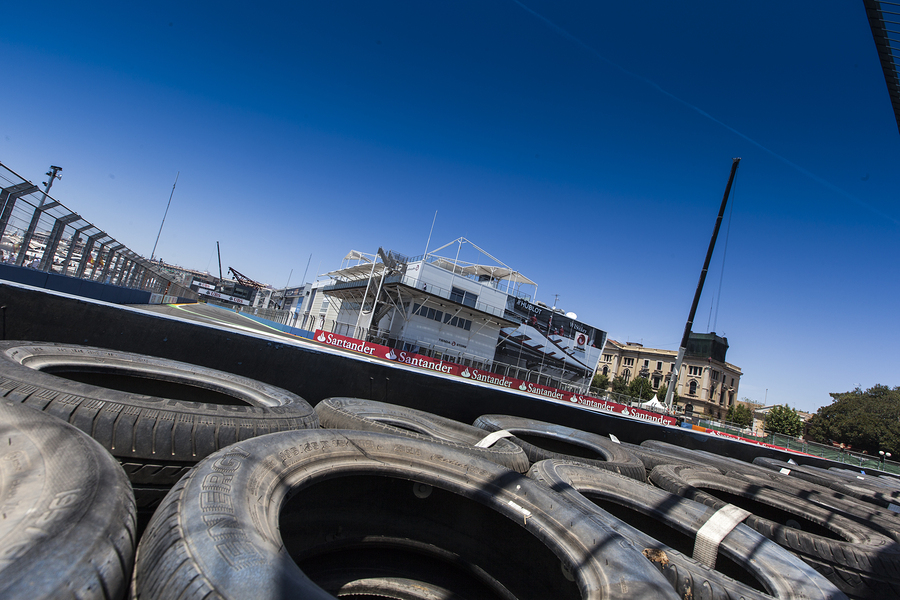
(38, 232)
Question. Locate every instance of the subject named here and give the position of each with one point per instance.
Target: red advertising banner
(748, 440)
(448, 368)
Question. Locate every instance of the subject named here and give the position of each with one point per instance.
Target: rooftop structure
(474, 313)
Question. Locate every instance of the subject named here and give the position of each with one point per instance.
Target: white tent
(653, 404)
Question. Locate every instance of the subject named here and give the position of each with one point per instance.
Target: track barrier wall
(316, 373)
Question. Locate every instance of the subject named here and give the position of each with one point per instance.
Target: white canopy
(653, 404)
(498, 273)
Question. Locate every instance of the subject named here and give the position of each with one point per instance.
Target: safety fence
(38, 232)
(858, 460)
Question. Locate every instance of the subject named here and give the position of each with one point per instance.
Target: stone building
(707, 384)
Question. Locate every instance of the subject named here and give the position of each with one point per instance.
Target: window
(714, 375)
(463, 297)
(732, 382)
(659, 365)
(606, 371)
(628, 362)
(693, 388)
(440, 316)
(457, 321)
(626, 375)
(655, 382)
(695, 371)
(646, 364)
(607, 358)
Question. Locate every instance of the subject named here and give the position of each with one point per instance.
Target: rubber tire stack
(543, 441)
(369, 415)
(68, 516)
(672, 517)
(156, 439)
(860, 561)
(219, 531)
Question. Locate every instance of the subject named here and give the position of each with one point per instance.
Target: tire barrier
(760, 473)
(320, 512)
(860, 561)
(68, 517)
(369, 415)
(653, 458)
(792, 481)
(647, 515)
(869, 489)
(156, 436)
(721, 463)
(542, 441)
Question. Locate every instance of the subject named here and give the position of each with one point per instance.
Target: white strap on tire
(711, 534)
(491, 439)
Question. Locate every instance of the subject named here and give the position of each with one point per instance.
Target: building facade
(470, 313)
(707, 384)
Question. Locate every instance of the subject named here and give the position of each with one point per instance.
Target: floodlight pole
(673, 379)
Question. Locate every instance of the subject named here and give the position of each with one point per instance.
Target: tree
(661, 394)
(784, 420)
(600, 382)
(739, 414)
(640, 388)
(618, 385)
(866, 420)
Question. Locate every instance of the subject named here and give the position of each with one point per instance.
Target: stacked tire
(249, 498)
(158, 417)
(67, 514)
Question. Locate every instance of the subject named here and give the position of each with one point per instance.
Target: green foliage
(640, 388)
(618, 385)
(661, 394)
(600, 382)
(866, 420)
(784, 420)
(740, 414)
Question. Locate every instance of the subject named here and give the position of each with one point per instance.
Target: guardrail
(38, 232)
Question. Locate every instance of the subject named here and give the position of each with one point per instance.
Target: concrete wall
(73, 285)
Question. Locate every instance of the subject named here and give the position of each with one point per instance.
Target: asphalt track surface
(221, 317)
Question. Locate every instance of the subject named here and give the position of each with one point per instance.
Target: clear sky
(586, 144)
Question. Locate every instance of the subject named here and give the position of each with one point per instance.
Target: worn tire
(340, 501)
(665, 516)
(862, 562)
(369, 415)
(721, 463)
(68, 516)
(543, 441)
(868, 489)
(792, 480)
(156, 438)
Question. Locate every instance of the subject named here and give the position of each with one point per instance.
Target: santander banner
(448, 368)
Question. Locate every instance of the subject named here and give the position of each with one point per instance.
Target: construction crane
(244, 280)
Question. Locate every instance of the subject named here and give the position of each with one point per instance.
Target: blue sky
(585, 144)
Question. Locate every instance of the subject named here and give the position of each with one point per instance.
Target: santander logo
(466, 373)
(575, 399)
(523, 387)
(321, 337)
(390, 355)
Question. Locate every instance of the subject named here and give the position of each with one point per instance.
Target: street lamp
(884, 455)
